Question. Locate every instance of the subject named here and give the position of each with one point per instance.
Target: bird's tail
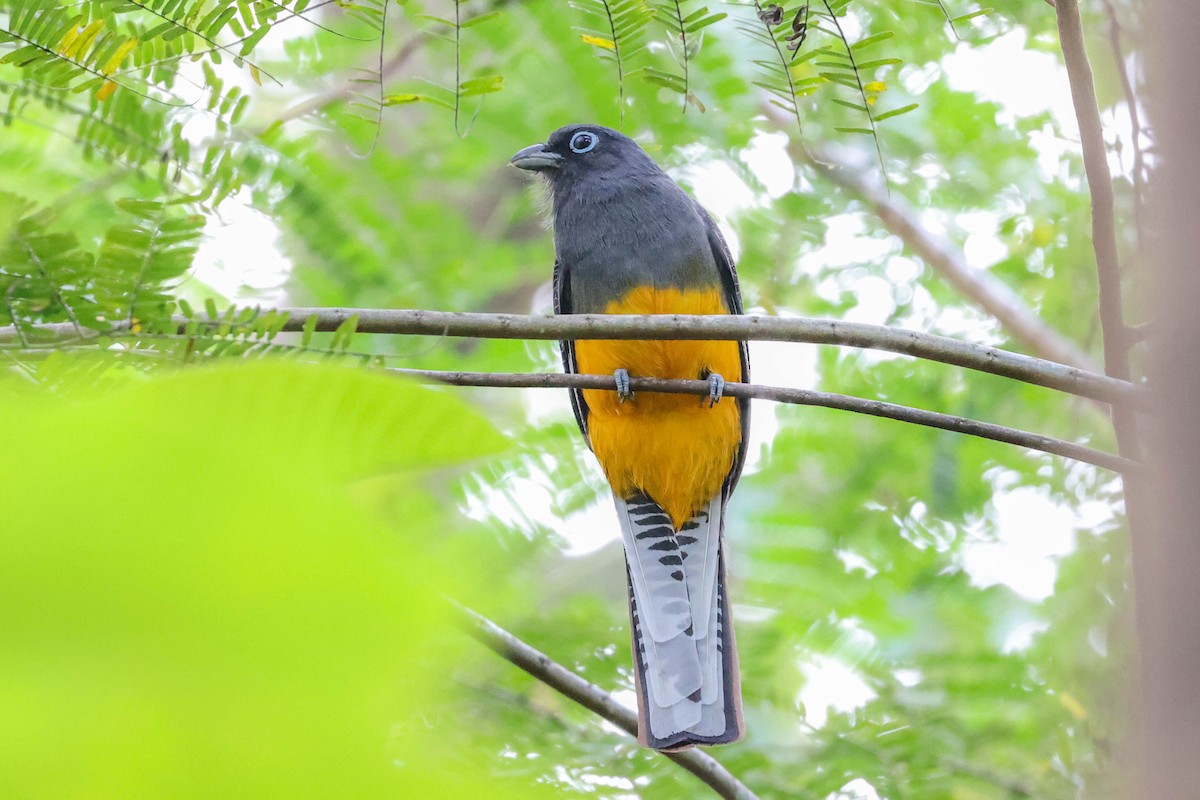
(685, 659)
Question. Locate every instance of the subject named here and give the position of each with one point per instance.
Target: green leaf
(344, 333)
(405, 98)
(880, 62)
(862, 44)
(220, 22)
(972, 15)
(848, 104)
(480, 19)
(482, 85)
(895, 112)
(253, 39)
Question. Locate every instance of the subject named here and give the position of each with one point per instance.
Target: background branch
(979, 286)
(346, 89)
(779, 394)
(595, 699)
(1104, 235)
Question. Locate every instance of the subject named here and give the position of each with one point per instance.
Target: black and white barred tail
(685, 657)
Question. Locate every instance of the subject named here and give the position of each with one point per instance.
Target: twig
(1104, 235)
(595, 699)
(719, 327)
(780, 394)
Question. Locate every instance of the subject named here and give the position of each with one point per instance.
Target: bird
(629, 240)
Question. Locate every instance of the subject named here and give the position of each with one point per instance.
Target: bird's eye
(583, 142)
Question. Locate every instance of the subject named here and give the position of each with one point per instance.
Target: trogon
(628, 240)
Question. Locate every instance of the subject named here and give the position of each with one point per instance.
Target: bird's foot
(716, 389)
(624, 393)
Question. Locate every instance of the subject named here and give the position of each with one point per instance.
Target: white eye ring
(583, 142)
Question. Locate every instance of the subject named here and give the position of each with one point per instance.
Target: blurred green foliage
(229, 576)
(203, 597)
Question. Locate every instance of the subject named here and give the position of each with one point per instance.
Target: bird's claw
(716, 389)
(624, 393)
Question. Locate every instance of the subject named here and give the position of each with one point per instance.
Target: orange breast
(673, 447)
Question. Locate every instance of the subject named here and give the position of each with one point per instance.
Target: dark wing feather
(733, 299)
(562, 305)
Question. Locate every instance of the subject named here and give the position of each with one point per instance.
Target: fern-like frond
(768, 28)
(619, 33)
(139, 261)
(686, 30)
(47, 276)
(452, 98)
(44, 275)
(844, 69)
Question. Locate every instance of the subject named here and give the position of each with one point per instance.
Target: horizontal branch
(1019, 367)
(779, 394)
(596, 700)
(748, 328)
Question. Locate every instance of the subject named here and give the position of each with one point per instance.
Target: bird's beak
(536, 157)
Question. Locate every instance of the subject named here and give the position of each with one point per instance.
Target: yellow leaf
(1072, 705)
(106, 91)
(254, 73)
(124, 50)
(84, 40)
(875, 86)
(598, 41)
(68, 38)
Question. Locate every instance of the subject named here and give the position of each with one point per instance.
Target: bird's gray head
(592, 153)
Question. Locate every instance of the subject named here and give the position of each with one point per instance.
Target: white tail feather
(683, 657)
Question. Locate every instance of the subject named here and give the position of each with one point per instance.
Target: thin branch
(1104, 235)
(780, 394)
(697, 327)
(595, 699)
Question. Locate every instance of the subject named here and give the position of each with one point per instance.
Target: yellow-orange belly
(673, 447)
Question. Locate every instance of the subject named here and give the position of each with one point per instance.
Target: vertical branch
(1104, 236)
(1167, 557)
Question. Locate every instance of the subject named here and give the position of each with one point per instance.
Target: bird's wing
(733, 299)
(562, 305)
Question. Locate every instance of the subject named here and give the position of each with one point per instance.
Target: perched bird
(628, 240)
